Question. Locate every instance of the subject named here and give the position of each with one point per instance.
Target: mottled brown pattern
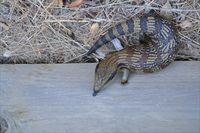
(147, 57)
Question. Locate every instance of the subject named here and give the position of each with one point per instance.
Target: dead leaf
(165, 11)
(94, 28)
(185, 24)
(75, 3)
(57, 3)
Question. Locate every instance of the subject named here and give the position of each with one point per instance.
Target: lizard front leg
(125, 75)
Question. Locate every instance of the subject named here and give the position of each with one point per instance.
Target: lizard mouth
(95, 93)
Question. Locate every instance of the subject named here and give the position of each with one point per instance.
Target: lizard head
(104, 72)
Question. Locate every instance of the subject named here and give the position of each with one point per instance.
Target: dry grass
(40, 31)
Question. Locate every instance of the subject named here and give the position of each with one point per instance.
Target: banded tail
(149, 24)
(120, 29)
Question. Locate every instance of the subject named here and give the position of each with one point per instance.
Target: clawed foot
(125, 73)
(123, 82)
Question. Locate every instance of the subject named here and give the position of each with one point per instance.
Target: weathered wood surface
(58, 99)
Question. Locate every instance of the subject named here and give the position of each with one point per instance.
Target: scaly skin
(143, 58)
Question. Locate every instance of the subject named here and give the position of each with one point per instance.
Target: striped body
(142, 58)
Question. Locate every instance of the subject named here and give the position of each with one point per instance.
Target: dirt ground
(48, 31)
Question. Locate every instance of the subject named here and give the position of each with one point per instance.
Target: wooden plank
(58, 99)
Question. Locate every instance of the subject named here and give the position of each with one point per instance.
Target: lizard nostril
(3, 125)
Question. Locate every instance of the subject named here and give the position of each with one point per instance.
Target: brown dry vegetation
(43, 31)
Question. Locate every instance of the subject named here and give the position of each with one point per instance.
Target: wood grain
(58, 99)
